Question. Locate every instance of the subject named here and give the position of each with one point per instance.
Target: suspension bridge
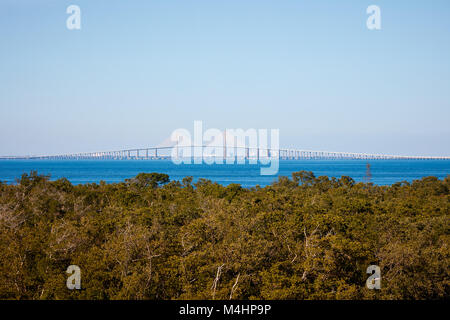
(224, 152)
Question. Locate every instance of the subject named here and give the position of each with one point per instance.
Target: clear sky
(137, 70)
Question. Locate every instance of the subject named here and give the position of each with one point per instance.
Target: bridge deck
(153, 153)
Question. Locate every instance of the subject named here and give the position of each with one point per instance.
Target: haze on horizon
(138, 70)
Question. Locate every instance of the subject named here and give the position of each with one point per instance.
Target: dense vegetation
(149, 238)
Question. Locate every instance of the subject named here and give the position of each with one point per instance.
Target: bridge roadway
(153, 153)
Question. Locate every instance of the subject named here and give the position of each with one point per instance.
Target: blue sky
(137, 70)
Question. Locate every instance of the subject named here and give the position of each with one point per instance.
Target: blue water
(384, 172)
